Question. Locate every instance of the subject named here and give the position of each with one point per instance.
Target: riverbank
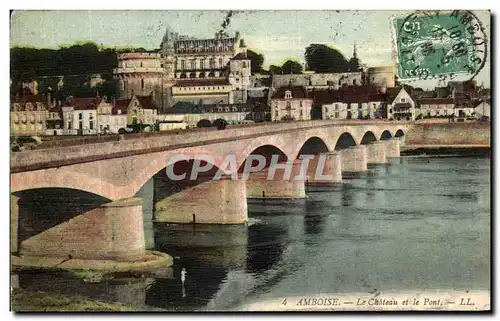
(31, 301)
(439, 150)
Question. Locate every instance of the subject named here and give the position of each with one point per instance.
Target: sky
(278, 34)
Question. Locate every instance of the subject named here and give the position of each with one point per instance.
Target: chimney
(49, 99)
(237, 35)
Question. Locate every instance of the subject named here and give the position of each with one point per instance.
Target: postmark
(439, 44)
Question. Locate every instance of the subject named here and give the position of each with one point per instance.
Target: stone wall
(449, 134)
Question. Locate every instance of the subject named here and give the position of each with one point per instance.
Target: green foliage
(256, 61)
(321, 58)
(76, 63)
(273, 69)
(291, 67)
(204, 123)
(219, 122)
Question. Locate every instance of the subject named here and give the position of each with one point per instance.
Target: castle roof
(199, 82)
(298, 92)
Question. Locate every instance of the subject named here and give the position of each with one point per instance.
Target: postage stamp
(439, 44)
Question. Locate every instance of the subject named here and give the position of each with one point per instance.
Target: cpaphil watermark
(289, 170)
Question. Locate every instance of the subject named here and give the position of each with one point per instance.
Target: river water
(415, 224)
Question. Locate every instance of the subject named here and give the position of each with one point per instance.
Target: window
(212, 63)
(244, 64)
(301, 113)
(220, 62)
(142, 83)
(276, 113)
(336, 114)
(403, 100)
(288, 104)
(354, 82)
(301, 104)
(183, 65)
(336, 106)
(202, 64)
(193, 63)
(80, 116)
(91, 121)
(134, 120)
(288, 94)
(70, 124)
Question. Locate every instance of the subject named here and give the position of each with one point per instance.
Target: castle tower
(140, 73)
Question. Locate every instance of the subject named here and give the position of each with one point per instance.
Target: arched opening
(43, 208)
(345, 141)
(211, 74)
(201, 75)
(368, 137)
(386, 135)
(268, 151)
(399, 133)
(183, 75)
(313, 146)
(192, 75)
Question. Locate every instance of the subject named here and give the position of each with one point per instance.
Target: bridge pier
(112, 231)
(220, 201)
(376, 153)
(329, 165)
(354, 159)
(279, 186)
(392, 147)
(402, 140)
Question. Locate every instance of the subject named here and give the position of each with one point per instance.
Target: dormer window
(288, 94)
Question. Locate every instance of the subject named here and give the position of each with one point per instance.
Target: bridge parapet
(53, 157)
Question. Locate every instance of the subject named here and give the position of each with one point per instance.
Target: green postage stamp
(439, 44)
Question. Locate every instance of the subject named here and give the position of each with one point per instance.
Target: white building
(402, 107)
(291, 103)
(28, 114)
(80, 116)
(437, 107)
(111, 118)
(483, 108)
(353, 102)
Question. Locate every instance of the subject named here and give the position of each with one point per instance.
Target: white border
(196, 4)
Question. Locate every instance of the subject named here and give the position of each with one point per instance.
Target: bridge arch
(399, 133)
(313, 146)
(386, 134)
(345, 140)
(64, 179)
(368, 137)
(39, 209)
(267, 151)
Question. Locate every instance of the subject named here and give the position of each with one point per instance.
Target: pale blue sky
(277, 34)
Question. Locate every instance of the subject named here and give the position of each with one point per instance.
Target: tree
(275, 70)
(256, 61)
(291, 67)
(204, 123)
(321, 58)
(220, 123)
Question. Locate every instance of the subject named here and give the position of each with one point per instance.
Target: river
(414, 224)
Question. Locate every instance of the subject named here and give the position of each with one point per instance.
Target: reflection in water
(413, 224)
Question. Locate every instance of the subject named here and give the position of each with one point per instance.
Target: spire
(354, 52)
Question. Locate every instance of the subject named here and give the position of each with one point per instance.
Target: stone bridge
(80, 201)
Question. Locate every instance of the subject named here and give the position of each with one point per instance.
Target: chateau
(198, 71)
